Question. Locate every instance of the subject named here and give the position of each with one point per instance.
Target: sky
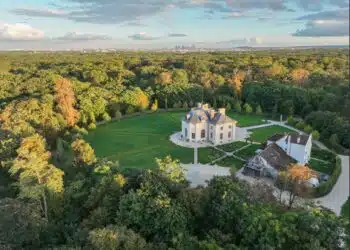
(137, 24)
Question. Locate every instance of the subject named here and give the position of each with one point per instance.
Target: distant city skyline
(152, 24)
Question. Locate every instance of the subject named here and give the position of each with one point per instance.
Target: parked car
(324, 177)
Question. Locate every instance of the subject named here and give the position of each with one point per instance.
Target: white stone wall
(223, 129)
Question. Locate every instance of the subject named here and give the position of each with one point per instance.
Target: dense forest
(56, 194)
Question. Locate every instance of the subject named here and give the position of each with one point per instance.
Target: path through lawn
(136, 141)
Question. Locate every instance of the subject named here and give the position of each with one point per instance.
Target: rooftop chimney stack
(199, 104)
(222, 111)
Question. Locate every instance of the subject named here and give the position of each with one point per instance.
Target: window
(221, 136)
(230, 127)
(193, 136)
(222, 128)
(203, 133)
(229, 134)
(211, 135)
(186, 132)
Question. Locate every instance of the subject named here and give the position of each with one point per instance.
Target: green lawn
(232, 146)
(249, 151)
(244, 120)
(136, 141)
(345, 209)
(231, 162)
(323, 167)
(261, 134)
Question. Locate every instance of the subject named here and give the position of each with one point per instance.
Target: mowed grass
(137, 141)
(261, 134)
(244, 120)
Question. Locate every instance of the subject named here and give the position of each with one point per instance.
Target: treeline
(112, 84)
(55, 193)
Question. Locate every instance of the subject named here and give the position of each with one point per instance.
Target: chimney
(298, 139)
(222, 111)
(199, 104)
(205, 106)
(212, 113)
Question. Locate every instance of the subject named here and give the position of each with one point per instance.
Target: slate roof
(276, 157)
(275, 137)
(293, 138)
(197, 115)
(302, 139)
(221, 119)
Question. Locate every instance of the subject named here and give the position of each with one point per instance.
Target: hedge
(326, 187)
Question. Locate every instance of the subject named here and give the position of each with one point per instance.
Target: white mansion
(205, 124)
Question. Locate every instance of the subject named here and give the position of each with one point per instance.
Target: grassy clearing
(233, 146)
(261, 134)
(249, 151)
(136, 141)
(231, 162)
(323, 167)
(244, 120)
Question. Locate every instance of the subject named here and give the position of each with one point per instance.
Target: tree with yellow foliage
(65, 101)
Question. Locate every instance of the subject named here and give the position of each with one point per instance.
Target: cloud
(319, 28)
(143, 37)
(19, 32)
(326, 23)
(244, 41)
(135, 24)
(74, 36)
(121, 11)
(177, 35)
(39, 12)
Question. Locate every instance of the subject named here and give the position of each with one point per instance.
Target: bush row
(326, 187)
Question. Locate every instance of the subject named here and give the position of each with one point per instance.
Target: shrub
(247, 108)
(118, 115)
(79, 130)
(315, 135)
(185, 105)
(300, 125)
(154, 106)
(92, 126)
(326, 187)
(228, 107)
(308, 129)
(290, 121)
(106, 117)
(258, 110)
(130, 110)
(238, 107)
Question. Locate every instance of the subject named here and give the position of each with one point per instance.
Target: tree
(20, 224)
(83, 153)
(287, 107)
(180, 77)
(300, 125)
(171, 169)
(334, 140)
(315, 135)
(37, 178)
(237, 81)
(163, 78)
(154, 106)
(238, 107)
(247, 108)
(300, 76)
(185, 105)
(228, 107)
(115, 237)
(118, 115)
(258, 110)
(65, 101)
(308, 129)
